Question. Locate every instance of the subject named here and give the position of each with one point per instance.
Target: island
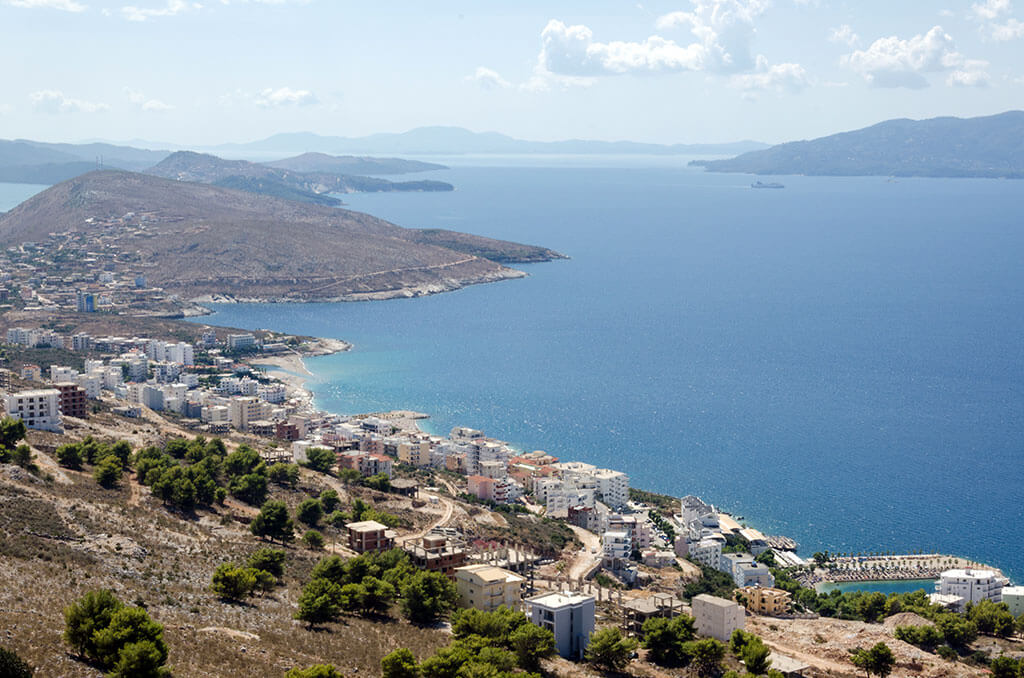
(990, 146)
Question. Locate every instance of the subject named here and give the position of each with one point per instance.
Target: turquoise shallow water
(840, 361)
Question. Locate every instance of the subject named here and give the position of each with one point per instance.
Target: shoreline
(292, 371)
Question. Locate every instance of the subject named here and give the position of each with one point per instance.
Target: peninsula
(192, 240)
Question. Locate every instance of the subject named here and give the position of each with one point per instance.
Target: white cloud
(572, 51)
(54, 101)
(973, 74)
(284, 96)
(144, 102)
(844, 35)
(1011, 30)
(787, 77)
(724, 30)
(65, 5)
(894, 62)
(172, 8)
(488, 79)
(991, 9)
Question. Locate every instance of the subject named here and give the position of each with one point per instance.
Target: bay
(839, 361)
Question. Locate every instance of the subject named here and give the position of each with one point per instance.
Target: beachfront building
(485, 587)
(39, 409)
(612, 487)
(241, 342)
(569, 616)
(769, 602)
(717, 617)
(972, 586)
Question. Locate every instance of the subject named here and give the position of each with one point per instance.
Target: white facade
(569, 616)
(62, 375)
(92, 385)
(616, 545)
(971, 585)
(39, 409)
(707, 552)
(717, 617)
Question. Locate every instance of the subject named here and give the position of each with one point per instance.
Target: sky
(680, 71)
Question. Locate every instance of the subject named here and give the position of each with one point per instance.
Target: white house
(717, 617)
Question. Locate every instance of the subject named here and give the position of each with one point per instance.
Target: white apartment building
(60, 374)
(707, 551)
(717, 617)
(272, 393)
(92, 384)
(616, 545)
(238, 342)
(612, 487)
(39, 409)
(971, 586)
(569, 616)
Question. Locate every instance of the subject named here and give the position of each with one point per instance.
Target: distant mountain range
(34, 162)
(198, 240)
(457, 141)
(312, 187)
(991, 146)
(350, 164)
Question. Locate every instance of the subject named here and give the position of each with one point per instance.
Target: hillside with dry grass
(197, 240)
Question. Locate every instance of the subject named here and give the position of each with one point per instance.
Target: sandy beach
(291, 370)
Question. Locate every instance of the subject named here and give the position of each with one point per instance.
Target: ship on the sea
(770, 184)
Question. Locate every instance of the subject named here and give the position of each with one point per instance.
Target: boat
(770, 184)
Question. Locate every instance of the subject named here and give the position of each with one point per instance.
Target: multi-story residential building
(81, 342)
(369, 535)
(612, 487)
(616, 546)
(39, 409)
(639, 530)
(717, 617)
(414, 452)
(241, 342)
(707, 551)
(569, 616)
(485, 587)
(31, 372)
(72, 400)
(60, 373)
(244, 409)
(971, 585)
(769, 602)
(92, 385)
(272, 393)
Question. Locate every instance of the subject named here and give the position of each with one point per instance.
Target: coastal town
(633, 556)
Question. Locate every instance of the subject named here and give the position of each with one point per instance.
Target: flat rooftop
(557, 600)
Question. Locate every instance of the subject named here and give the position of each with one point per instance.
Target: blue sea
(840, 361)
